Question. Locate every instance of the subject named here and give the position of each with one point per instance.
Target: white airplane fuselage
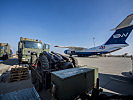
(116, 42)
(103, 49)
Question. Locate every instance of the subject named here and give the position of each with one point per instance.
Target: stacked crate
(18, 73)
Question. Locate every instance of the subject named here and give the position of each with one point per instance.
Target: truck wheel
(5, 57)
(43, 67)
(43, 62)
(67, 65)
(74, 61)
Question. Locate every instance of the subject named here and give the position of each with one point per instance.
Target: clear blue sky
(63, 22)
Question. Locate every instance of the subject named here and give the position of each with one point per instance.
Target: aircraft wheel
(43, 68)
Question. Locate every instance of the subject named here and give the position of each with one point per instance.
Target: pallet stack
(18, 73)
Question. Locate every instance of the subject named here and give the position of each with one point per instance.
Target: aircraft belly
(90, 53)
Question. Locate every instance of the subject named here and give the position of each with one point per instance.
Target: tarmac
(5, 85)
(113, 74)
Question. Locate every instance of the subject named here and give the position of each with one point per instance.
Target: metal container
(72, 82)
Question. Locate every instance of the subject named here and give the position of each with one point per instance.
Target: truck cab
(46, 47)
(27, 46)
(5, 51)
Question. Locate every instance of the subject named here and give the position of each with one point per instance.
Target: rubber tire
(67, 65)
(74, 61)
(43, 64)
(19, 61)
(5, 57)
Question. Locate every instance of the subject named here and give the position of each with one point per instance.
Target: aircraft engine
(67, 52)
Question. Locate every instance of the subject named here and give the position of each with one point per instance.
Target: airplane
(114, 43)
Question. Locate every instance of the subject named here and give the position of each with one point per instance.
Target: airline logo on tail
(120, 35)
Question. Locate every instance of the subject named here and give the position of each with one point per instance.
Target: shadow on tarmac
(127, 74)
(12, 61)
(122, 85)
(88, 57)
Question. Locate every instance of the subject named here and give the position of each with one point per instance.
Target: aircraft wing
(70, 47)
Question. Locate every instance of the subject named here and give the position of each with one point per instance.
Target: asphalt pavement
(113, 74)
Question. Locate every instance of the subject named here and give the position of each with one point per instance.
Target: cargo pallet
(17, 74)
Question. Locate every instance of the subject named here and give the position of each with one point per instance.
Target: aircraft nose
(65, 51)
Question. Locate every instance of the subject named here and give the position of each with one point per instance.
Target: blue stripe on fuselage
(89, 53)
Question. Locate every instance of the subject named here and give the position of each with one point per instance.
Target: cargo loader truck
(27, 46)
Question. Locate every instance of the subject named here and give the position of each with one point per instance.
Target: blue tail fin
(120, 36)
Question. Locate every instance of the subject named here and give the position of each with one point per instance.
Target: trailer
(46, 63)
(60, 75)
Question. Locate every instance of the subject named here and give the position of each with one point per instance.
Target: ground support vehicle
(57, 75)
(26, 46)
(47, 63)
(5, 51)
(60, 74)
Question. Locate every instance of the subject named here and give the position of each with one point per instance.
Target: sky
(63, 22)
